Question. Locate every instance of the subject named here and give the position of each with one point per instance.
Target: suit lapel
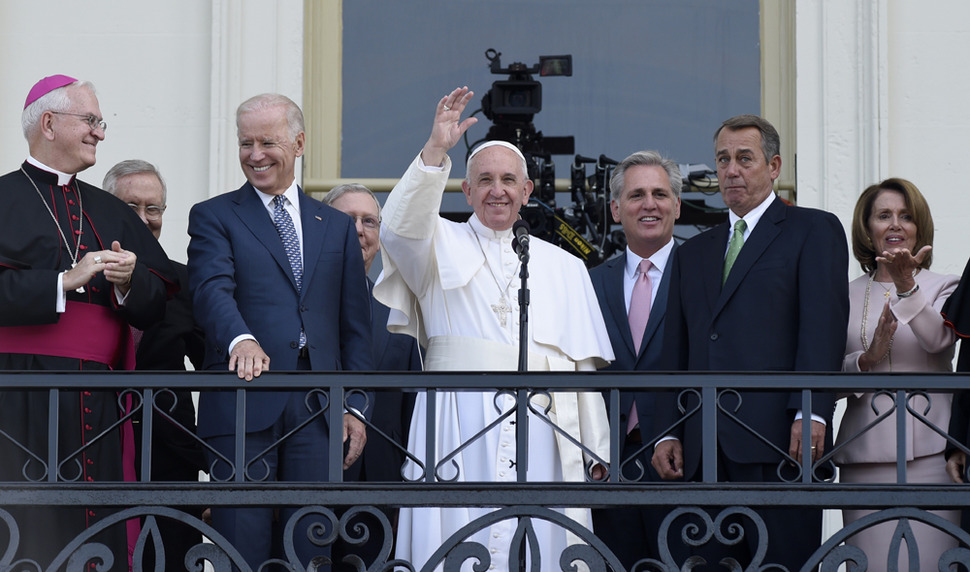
(252, 212)
(713, 264)
(616, 301)
(378, 314)
(314, 229)
(659, 307)
(761, 237)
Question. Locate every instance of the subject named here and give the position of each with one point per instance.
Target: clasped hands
(117, 265)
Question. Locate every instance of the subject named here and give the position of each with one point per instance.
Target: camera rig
(583, 227)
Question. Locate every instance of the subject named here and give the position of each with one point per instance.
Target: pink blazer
(921, 343)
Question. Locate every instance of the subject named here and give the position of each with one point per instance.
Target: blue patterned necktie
(291, 244)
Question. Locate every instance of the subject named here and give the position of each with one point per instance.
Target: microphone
(520, 238)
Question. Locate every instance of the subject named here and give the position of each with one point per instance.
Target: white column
(257, 47)
(842, 113)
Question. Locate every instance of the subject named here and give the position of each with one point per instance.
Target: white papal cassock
(454, 287)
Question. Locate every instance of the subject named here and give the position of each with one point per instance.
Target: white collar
(658, 259)
(753, 216)
(292, 194)
(63, 179)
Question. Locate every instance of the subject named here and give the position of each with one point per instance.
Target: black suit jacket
(784, 307)
(381, 460)
(176, 456)
(607, 281)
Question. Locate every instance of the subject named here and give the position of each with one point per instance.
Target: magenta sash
(84, 331)
(93, 333)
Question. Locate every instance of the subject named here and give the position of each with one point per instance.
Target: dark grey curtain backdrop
(658, 74)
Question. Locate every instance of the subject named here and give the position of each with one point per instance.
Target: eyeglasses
(152, 212)
(92, 121)
(369, 222)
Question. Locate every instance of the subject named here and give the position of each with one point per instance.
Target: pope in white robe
(454, 287)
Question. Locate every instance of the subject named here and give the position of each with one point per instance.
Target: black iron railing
(337, 505)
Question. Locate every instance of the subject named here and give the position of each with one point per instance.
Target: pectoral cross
(501, 310)
(79, 289)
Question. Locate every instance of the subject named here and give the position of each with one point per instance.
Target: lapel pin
(317, 217)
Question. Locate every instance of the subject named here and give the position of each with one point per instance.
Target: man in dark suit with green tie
(781, 305)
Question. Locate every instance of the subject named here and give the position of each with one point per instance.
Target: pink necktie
(639, 314)
(640, 304)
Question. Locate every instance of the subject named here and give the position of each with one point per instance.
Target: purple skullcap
(45, 86)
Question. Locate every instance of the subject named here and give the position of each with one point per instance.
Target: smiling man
(632, 291)
(77, 268)
(277, 280)
(455, 286)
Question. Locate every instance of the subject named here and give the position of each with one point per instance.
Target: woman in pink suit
(895, 325)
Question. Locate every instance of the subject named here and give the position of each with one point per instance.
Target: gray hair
(341, 190)
(770, 141)
(54, 100)
(294, 116)
(128, 168)
(645, 159)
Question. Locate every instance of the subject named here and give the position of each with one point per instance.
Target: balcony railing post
(430, 430)
(806, 459)
(239, 474)
(147, 430)
(709, 433)
(52, 435)
(521, 435)
(335, 414)
(901, 415)
(615, 429)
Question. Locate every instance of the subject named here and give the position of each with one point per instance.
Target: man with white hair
(453, 286)
(78, 269)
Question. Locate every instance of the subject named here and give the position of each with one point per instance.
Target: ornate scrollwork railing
(359, 514)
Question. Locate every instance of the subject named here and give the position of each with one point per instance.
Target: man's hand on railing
(248, 360)
(818, 440)
(668, 459)
(956, 466)
(354, 430)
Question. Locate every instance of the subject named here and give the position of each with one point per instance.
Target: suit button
(294, 345)
(714, 337)
(303, 308)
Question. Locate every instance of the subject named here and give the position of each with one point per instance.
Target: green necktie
(737, 241)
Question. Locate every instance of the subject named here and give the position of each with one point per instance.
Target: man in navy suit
(391, 409)
(382, 460)
(277, 278)
(782, 305)
(645, 200)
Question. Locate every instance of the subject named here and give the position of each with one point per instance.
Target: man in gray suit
(632, 292)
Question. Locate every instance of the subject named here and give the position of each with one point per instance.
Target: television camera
(583, 227)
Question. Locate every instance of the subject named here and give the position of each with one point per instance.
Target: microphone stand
(523, 252)
(522, 249)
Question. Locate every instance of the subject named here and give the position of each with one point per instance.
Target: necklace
(502, 309)
(865, 322)
(883, 286)
(80, 225)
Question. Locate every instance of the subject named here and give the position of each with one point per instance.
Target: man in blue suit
(277, 278)
(766, 291)
(391, 412)
(391, 409)
(645, 200)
